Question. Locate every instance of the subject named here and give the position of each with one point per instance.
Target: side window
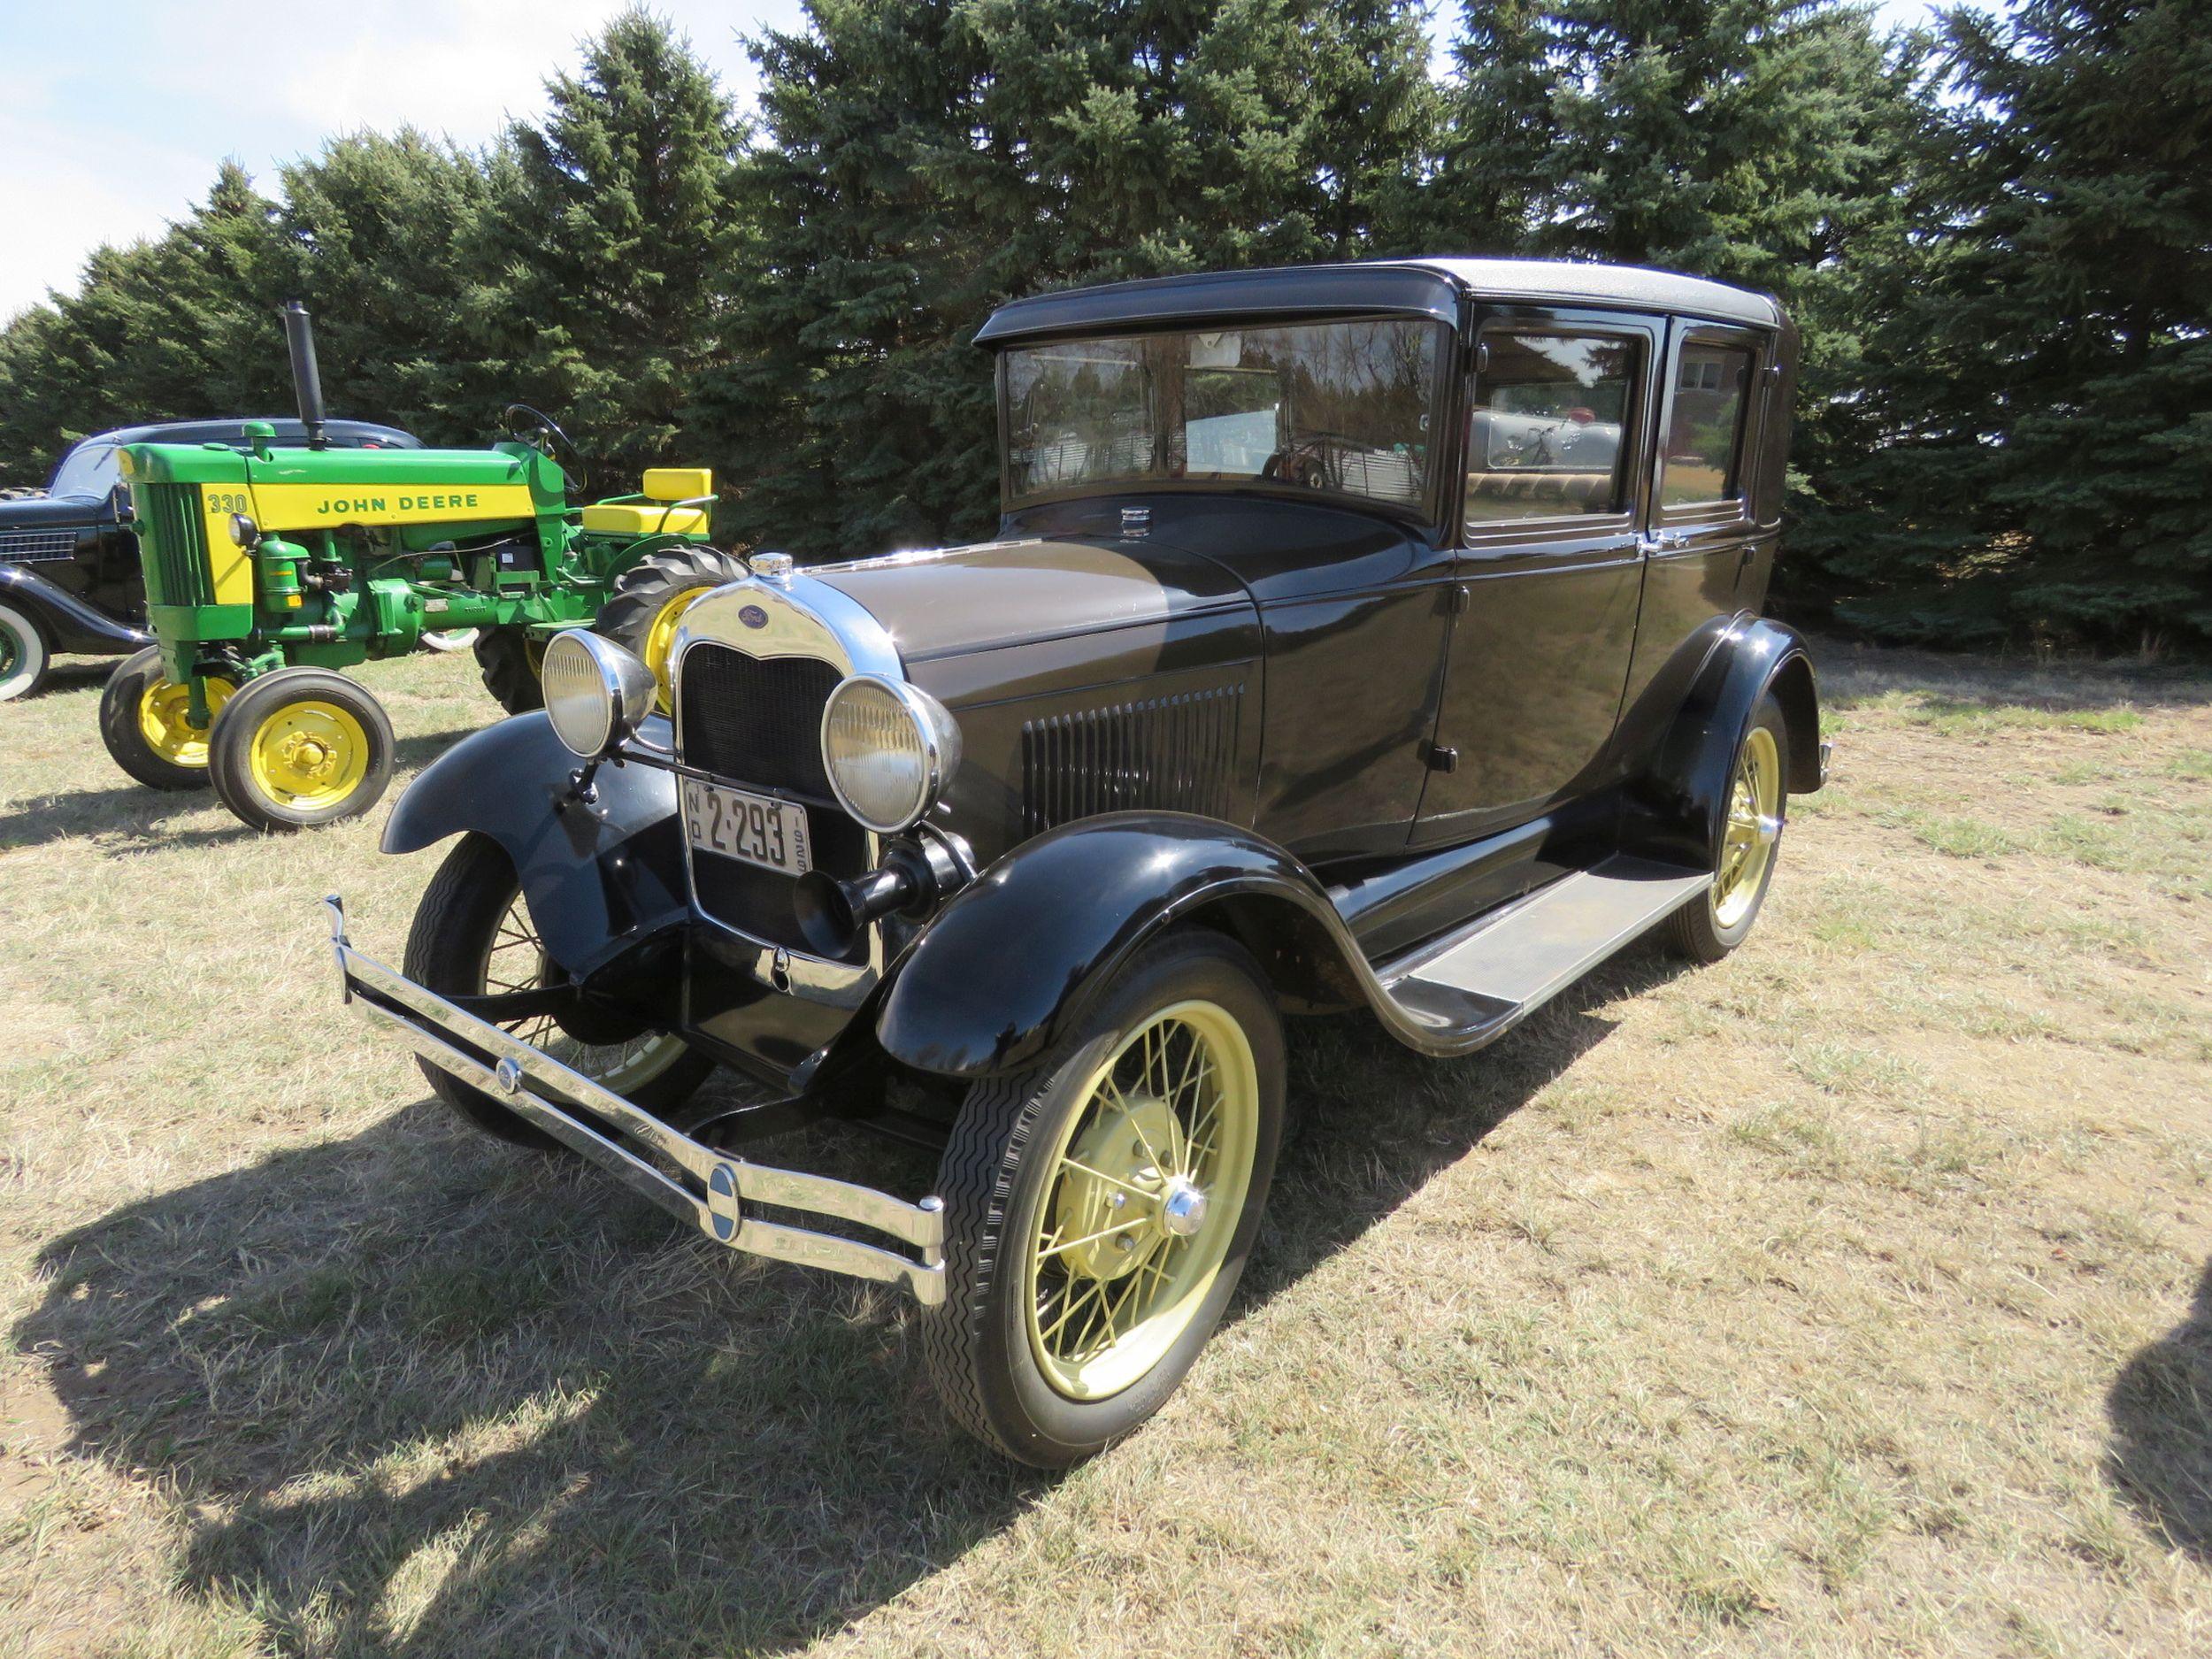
(1705, 431)
(1547, 435)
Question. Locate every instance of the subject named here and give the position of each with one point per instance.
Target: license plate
(756, 829)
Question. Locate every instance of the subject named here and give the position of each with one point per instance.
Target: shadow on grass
(131, 812)
(2159, 1458)
(419, 1393)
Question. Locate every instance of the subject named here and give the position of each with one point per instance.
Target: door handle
(1665, 541)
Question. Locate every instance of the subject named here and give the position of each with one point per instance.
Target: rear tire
(510, 660)
(300, 747)
(1050, 1170)
(145, 724)
(1743, 865)
(462, 928)
(651, 596)
(26, 655)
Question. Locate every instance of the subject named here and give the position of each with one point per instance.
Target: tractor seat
(649, 513)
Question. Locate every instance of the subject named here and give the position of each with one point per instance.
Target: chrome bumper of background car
(710, 1188)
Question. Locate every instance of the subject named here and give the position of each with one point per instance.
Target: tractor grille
(174, 544)
(25, 546)
(757, 721)
(1162, 754)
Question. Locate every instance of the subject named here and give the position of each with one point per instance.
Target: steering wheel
(542, 432)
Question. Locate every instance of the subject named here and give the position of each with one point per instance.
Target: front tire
(651, 596)
(510, 661)
(472, 936)
(1156, 1121)
(300, 748)
(27, 654)
(146, 723)
(1743, 863)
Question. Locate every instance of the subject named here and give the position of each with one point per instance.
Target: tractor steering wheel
(542, 432)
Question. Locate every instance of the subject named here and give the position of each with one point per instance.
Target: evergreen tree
(929, 159)
(377, 234)
(605, 246)
(2043, 367)
(160, 330)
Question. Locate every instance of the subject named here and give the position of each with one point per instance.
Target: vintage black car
(70, 579)
(1380, 636)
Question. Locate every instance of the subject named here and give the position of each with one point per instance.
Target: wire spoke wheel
(515, 960)
(1148, 1186)
(1754, 823)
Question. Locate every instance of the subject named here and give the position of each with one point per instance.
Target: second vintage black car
(70, 578)
(1378, 636)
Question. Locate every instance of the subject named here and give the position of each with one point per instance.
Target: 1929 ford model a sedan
(1379, 636)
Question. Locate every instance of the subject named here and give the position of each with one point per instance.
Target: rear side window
(1705, 431)
(1548, 436)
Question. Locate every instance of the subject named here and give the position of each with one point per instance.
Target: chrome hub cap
(1182, 1208)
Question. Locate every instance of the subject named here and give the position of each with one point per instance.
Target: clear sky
(118, 115)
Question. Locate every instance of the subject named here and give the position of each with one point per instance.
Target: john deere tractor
(267, 570)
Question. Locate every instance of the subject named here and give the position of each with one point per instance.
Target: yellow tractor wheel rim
(1754, 822)
(164, 720)
(660, 642)
(309, 754)
(1148, 1181)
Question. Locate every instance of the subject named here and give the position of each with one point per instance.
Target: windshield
(1338, 409)
(87, 473)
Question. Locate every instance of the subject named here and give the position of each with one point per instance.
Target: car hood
(948, 601)
(49, 513)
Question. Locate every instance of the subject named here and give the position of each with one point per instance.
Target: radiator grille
(758, 721)
(24, 546)
(175, 543)
(1164, 754)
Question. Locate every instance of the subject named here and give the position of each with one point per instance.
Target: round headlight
(596, 694)
(888, 748)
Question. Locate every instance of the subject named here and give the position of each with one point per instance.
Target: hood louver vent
(1159, 754)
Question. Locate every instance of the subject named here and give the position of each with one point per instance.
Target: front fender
(1010, 961)
(597, 876)
(1685, 793)
(73, 624)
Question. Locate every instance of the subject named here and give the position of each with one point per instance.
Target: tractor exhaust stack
(307, 379)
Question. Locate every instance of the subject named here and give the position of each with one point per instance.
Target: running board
(1464, 989)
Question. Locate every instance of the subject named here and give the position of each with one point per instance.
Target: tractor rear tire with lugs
(650, 599)
(510, 660)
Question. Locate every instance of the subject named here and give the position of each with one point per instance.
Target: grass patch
(1848, 1296)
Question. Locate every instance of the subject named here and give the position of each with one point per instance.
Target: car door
(1549, 565)
(1704, 534)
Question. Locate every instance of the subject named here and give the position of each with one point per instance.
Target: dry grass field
(1849, 1298)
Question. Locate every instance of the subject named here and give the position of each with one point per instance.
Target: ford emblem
(753, 617)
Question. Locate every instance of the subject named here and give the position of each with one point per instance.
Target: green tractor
(268, 570)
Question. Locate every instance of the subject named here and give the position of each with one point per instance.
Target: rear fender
(1681, 803)
(597, 876)
(1016, 957)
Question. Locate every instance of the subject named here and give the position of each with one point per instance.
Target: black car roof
(289, 432)
(1418, 288)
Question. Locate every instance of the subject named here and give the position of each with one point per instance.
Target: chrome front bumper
(702, 1185)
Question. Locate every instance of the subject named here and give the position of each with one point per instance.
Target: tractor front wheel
(651, 596)
(146, 722)
(300, 748)
(510, 660)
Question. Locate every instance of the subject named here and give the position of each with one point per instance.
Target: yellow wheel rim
(164, 720)
(1149, 1180)
(516, 961)
(1754, 822)
(660, 640)
(309, 754)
